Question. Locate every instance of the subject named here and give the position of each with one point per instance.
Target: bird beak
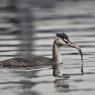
(73, 45)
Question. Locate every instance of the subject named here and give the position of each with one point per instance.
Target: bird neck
(56, 54)
(56, 59)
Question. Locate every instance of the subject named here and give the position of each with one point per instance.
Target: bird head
(63, 40)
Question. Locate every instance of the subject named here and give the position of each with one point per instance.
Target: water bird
(61, 39)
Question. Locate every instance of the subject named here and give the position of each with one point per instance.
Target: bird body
(35, 60)
(27, 61)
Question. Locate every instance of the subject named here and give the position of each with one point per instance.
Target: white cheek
(61, 41)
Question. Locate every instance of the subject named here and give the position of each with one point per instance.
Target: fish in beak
(67, 42)
(73, 45)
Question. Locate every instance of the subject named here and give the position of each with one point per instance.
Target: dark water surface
(39, 81)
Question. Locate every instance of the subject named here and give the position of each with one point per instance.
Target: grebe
(61, 39)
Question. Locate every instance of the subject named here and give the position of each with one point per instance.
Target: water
(39, 81)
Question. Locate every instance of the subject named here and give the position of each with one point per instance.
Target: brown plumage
(27, 61)
(34, 60)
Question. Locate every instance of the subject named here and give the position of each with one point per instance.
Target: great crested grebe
(61, 39)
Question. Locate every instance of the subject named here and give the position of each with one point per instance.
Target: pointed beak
(73, 45)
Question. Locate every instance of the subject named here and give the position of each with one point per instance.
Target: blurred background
(29, 26)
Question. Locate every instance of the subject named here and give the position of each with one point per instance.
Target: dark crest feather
(62, 35)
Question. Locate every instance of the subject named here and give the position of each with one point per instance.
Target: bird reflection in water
(61, 84)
